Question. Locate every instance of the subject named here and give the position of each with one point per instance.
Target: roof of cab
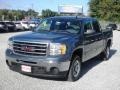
(73, 17)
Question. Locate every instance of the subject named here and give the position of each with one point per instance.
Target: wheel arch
(78, 52)
(109, 42)
(75, 52)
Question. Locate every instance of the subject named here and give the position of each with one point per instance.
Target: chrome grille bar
(28, 48)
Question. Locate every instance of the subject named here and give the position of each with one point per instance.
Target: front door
(90, 47)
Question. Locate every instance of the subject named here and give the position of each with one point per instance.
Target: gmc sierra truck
(58, 47)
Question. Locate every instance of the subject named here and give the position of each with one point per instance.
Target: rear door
(93, 39)
(99, 39)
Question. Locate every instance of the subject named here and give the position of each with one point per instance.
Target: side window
(88, 27)
(96, 26)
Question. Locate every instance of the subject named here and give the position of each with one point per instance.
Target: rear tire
(105, 54)
(75, 69)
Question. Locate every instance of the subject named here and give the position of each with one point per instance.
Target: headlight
(57, 49)
(10, 44)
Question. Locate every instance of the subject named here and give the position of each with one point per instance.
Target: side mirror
(89, 31)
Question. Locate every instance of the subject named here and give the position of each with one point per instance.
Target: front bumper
(40, 66)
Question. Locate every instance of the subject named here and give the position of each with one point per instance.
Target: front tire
(75, 69)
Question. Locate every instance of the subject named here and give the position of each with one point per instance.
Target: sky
(38, 5)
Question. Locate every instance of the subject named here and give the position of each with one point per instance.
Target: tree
(3, 12)
(19, 14)
(32, 13)
(105, 9)
(48, 13)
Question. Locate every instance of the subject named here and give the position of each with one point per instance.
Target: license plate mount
(25, 68)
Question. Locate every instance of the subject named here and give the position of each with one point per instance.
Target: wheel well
(109, 43)
(77, 52)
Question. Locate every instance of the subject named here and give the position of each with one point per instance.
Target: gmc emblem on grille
(26, 48)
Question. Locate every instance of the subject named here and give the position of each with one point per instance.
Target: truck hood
(43, 36)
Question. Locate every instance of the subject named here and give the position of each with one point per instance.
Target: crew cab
(58, 47)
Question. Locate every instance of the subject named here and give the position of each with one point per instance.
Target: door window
(96, 26)
(88, 29)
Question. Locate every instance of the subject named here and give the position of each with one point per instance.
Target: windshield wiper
(61, 31)
(41, 30)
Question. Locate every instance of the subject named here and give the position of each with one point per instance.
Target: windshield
(71, 26)
(17, 22)
(10, 23)
(25, 22)
(44, 25)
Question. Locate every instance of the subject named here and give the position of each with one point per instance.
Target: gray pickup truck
(58, 47)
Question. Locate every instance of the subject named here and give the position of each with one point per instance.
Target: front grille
(28, 48)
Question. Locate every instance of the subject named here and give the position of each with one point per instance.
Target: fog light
(54, 70)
